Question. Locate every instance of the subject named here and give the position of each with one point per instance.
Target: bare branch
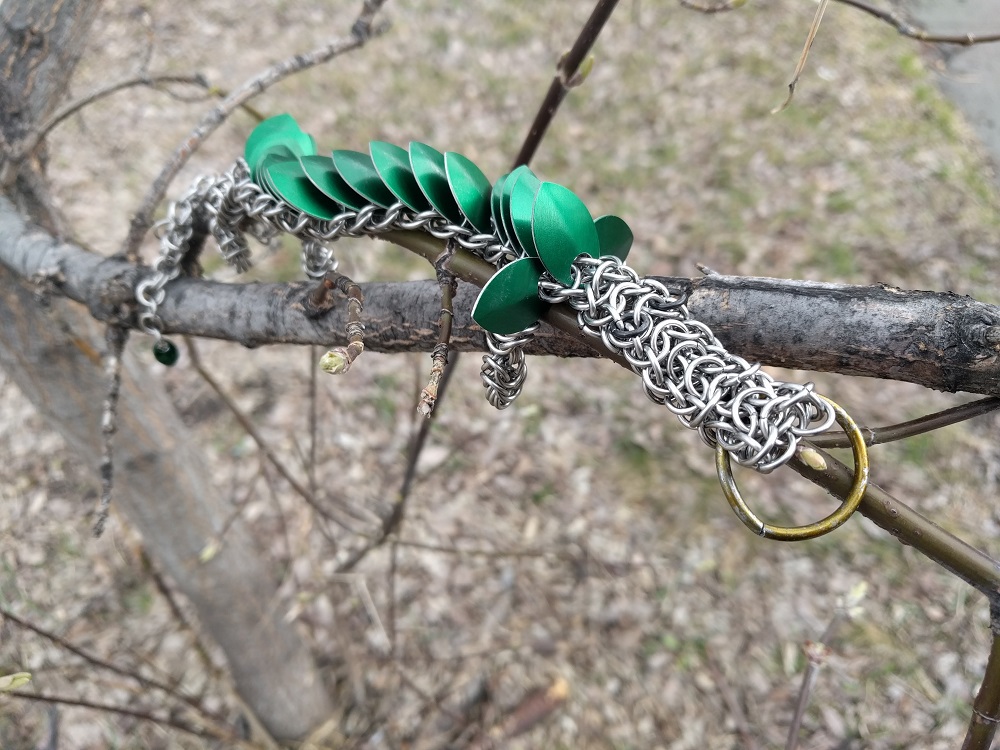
(918, 426)
(915, 32)
(28, 145)
(712, 8)
(890, 17)
(115, 337)
(567, 76)
(96, 661)
(974, 567)
(986, 707)
(248, 426)
(800, 66)
(939, 340)
(205, 732)
(361, 32)
(817, 653)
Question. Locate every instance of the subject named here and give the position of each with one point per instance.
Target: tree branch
(31, 142)
(915, 32)
(891, 17)
(938, 340)
(361, 31)
(567, 76)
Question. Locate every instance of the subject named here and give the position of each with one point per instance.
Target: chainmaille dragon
(548, 249)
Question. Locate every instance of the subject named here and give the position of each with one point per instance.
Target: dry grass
(673, 627)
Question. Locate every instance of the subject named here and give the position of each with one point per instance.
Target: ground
(579, 536)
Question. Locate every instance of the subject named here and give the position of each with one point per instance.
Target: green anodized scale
(545, 224)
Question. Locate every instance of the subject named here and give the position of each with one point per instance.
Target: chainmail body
(731, 403)
(683, 366)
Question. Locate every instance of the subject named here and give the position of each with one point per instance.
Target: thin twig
(918, 426)
(817, 653)
(207, 732)
(32, 141)
(890, 17)
(712, 8)
(180, 617)
(313, 419)
(247, 424)
(915, 32)
(391, 595)
(338, 360)
(360, 585)
(392, 522)
(361, 31)
(436, 700)
(146, 682)
(115, 337)
(986, 707)
(567, 76)
(288, 571)
(439, 357)
(810, 38)
(733, 704)
(214, 544)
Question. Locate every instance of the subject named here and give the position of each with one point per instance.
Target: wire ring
(836, 519)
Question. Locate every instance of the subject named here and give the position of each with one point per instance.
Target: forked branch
(362, 30)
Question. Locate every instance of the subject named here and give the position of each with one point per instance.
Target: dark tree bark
(53, 354)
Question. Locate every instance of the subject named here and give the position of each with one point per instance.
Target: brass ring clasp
(836, 519)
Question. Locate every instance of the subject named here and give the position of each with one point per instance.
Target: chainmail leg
(317, 259)
(504, 371)
(684, 367)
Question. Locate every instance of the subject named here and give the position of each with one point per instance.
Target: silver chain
(175, 233)
(233, 206)
(759, 421)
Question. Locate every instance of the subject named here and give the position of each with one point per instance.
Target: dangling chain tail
(758, 421)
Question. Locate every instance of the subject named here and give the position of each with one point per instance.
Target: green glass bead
(166, 352)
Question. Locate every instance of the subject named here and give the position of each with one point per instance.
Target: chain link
(317, 259)
(759, 421)
(175, 233)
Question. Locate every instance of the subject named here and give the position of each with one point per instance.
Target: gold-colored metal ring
(810, 531)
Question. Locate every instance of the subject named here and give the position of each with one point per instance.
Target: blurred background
(579, 538)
